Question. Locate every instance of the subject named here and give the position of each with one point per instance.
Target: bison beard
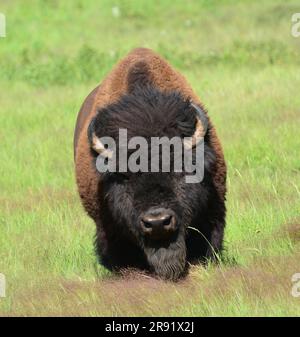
(167, 260)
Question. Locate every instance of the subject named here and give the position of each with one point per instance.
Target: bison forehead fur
(147, 97)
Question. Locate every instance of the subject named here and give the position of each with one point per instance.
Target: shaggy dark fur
(120, 242)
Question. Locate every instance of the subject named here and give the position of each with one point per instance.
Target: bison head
(153, 209)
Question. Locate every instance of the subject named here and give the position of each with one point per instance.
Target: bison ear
(200, 130)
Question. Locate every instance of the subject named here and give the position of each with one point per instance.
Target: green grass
(242, 61)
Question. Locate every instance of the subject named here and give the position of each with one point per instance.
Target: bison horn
(96, 143)
(98, 146)
(200, 131)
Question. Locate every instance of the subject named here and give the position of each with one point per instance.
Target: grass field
(243, 62)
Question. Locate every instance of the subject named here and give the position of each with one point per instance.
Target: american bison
(154, 221)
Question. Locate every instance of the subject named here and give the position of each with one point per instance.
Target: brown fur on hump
(120, 81)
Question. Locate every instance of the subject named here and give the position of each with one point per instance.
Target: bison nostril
(147, 224)
(167, 220)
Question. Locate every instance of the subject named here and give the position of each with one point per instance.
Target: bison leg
(206, 240)
(215, 246)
